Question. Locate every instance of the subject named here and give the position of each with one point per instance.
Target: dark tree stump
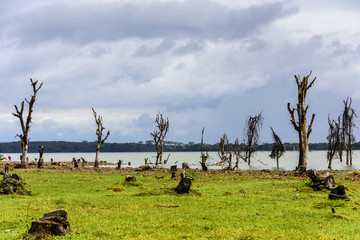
(11, 183)
(173, 174)
(184, 184)
(75, 163)
(129, 178)
(338, 193)
(51, 224)
(320, 181)
(119, 164)
(41, 160)
(173, 168)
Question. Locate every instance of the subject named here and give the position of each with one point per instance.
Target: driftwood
(320, 180)
(51, 224)
(184, 184)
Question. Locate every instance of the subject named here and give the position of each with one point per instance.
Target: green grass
(221, 205)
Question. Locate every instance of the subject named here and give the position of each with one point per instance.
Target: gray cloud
(94, 21)
(201, 63)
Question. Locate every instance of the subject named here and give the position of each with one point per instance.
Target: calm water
(261, 160)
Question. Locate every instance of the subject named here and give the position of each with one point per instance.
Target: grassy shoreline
(242, 204)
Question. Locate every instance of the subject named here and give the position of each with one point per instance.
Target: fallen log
(320, 181)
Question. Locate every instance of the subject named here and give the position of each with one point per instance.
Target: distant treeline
(148, 146)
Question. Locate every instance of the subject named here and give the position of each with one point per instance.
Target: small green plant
(191, 175)
(307, 183)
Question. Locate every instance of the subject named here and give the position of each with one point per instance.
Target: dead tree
(162, 127)
(301, 124)
(204, 156)
(277, 148)
(252, 135)
(99, 132)
(334, 139)
(237, 153)
(41, 160)
(25, 123)
(224, 151)
(348, 137)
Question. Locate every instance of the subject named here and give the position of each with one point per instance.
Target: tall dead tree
(224, 151)
(204, 156)
(301, 124)
(25, 123)
(252, 130)
(348, 137)
(162, 127)
(334, 139)
(100, 137)
(277, 149)
(237, 153)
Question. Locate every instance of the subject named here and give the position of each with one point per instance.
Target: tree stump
(41, 160)
(320, 181)
(173, 168)
(119, 164)
(130, 178)
(75, 163)
(184, 184)
(11, 183)
(51, 224)
(338, 193)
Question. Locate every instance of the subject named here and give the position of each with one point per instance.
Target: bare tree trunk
(25, 124)
(159, 136)
(301, 125)
(99, 133)
(97, 157)
(204, 157)
(41, 160)
(24, 147)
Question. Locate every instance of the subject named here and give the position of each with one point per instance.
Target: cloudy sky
(201, 63)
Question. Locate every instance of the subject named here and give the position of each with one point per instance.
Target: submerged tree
(334, 139)
(224, 151)
(100, 137)
(277, 149)
(162, 127)
(252, 135)
(25, 124)
(348, 138)
(301, 124)
(204, 156)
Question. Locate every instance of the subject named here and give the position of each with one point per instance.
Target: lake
(260, 160)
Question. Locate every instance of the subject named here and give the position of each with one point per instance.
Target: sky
(200, 63)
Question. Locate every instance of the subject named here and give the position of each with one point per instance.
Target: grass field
(221, 205)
